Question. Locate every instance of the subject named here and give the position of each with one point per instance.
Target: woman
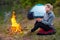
(46, 23)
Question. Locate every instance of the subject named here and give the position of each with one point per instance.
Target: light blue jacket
(48, 18)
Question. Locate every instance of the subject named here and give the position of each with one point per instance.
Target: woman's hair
(49, 6)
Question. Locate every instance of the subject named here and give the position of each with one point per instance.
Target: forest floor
(29, 25)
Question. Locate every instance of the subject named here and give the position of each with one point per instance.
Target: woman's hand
(39, 19)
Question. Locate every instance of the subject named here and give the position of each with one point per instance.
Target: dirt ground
(28, 25)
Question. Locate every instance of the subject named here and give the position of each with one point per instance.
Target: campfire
(15, 27)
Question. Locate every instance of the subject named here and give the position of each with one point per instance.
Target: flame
(15, 27)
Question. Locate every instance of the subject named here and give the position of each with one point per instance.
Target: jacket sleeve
(49, 21)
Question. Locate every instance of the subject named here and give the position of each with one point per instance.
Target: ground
(28, 25)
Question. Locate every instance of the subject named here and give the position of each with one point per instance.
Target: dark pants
(41, 25)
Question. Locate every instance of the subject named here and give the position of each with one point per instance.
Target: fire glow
(15, 27)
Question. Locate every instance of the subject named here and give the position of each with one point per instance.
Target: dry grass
(28, 25)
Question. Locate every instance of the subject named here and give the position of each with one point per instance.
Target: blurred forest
(21, 8)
